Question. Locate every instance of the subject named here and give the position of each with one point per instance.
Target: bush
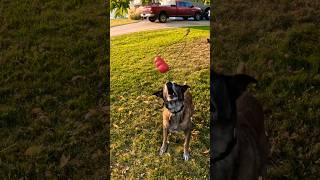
(134, 13)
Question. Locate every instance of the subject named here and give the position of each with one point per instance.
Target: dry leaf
(78, 77)
(33, 150)
(116, 126)
(36, 111)
(64, 160)
(91, 113)
(48, 173)
(105, 109)
(120, 109)
(206, 151)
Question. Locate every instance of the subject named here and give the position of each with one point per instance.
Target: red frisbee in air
(158, 63)
(157, 58)
(161, 65)
(163, 68)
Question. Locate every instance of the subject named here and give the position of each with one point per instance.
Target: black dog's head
(224, 92)
(172, 95)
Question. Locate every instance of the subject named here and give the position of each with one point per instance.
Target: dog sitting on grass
(176, 115)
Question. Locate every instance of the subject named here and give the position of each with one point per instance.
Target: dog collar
(229, 148)
(175, 112)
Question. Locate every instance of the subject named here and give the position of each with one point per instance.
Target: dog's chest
(174, 122)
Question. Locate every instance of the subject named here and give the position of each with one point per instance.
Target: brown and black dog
(177, 113)
(238, 141)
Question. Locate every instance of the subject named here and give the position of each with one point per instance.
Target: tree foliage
(119, 7)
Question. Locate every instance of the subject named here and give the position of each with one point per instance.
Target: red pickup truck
(171, 9)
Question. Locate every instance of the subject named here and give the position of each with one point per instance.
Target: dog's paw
(186, 156)
(162, 150)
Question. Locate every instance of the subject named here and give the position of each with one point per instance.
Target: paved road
(145, 25)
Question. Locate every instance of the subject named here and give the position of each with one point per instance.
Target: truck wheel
(163, 18)
(197, 17)
(152, 19)
(185, 18)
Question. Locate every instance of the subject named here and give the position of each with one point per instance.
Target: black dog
(238, 140)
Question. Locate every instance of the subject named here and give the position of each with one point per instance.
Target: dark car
(204, 7)
(172, 9)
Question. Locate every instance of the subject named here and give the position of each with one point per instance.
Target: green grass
(279, 42)
(136, 122)
(119, 22)
(52, 94)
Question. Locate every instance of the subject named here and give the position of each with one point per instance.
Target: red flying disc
(163, 68)
(159, 62)
(157, 58)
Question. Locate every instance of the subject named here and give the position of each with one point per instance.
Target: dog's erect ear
(159, 94)
(184, 88)
(239, 83)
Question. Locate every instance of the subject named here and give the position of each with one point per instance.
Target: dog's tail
(241, 68)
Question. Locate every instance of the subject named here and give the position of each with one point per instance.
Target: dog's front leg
(187, 136)
(163, 148)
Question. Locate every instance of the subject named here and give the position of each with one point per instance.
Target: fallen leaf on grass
(105, 109)
(33, 150)
(195, 132)
(206, 151)
(39, 114)
(36, 111)
(91, 113)
(96, 154)
(116, 126)
(120, 97)
(124, 171)
(120, 109)
(48, 173)
(78, 77)
(64, 160)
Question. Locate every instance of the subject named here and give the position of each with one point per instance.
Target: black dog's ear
(159, 94)
(184, 88)
(240, 82)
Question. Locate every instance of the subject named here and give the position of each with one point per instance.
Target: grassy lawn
(279, 42)
(136, 122)
(52, 94)
(118, 22)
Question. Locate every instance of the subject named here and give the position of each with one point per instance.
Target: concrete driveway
(146, 25)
